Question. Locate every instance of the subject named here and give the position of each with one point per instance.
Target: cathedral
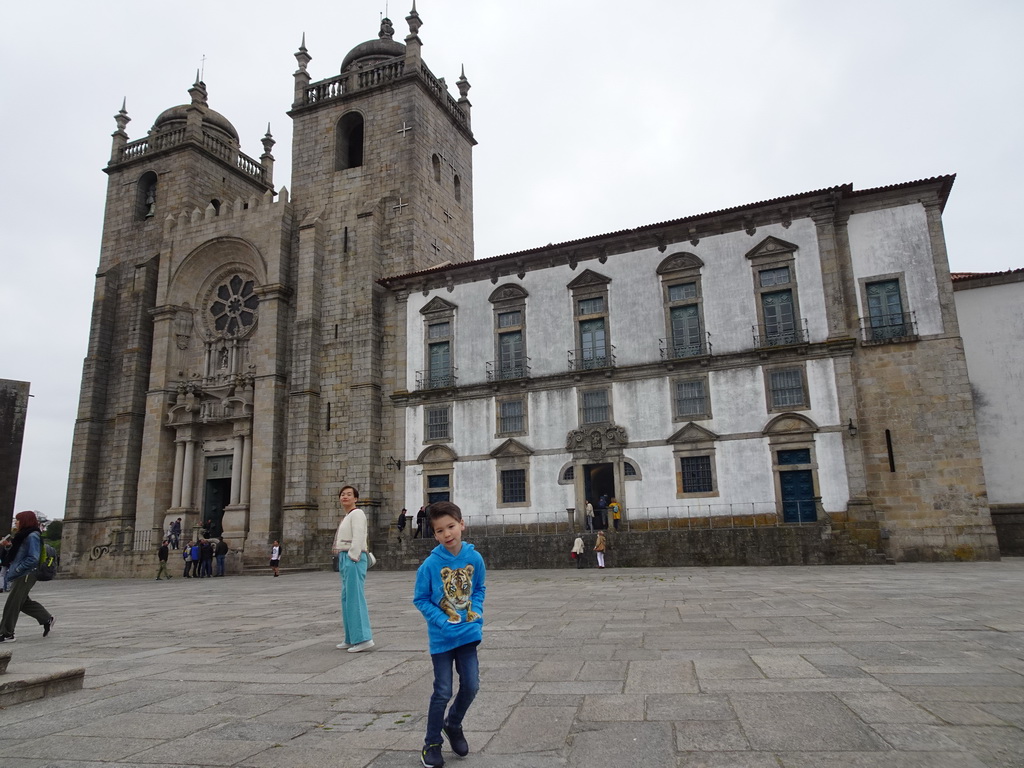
(255, 346)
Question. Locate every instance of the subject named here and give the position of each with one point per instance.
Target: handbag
(370, 560)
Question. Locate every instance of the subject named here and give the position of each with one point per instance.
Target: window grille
(697, 474)
(595, 406)
(787, 388)
(438, 423)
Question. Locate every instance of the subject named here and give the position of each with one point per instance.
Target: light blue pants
(353, 602)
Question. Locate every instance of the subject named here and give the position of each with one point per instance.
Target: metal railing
(498, 371)
(900, 326)
(591, 359)
(766, 514)
(773, 336)
(437, 378)
(672, 351)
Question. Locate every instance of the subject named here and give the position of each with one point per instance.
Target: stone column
(236, 469)
(186, 483)
(246, 476)
(179, 468)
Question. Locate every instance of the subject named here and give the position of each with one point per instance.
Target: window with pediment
(593, 348)
(779, 323)
(684, 311)
(509, 311)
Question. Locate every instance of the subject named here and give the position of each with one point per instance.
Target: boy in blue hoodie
(450, 594)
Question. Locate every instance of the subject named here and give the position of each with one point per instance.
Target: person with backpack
(25, 557)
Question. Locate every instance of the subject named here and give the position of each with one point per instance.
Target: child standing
(450, 593)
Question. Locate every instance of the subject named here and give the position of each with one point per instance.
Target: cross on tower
(435, 246)
(400, 205)
(404, 129)
(447, 215)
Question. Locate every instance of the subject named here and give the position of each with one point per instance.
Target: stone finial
(120, 136)
(268, 141)
(414, 20)
(387, 29)
(463, 84)
(267, 159)
(198, 92)
(302, 55)
(122, 119)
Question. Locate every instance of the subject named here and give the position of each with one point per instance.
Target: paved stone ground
(908, 666)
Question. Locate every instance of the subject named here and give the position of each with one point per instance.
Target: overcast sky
(591, 116)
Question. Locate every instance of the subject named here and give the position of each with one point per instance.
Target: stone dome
(375, 51)
(175, 116)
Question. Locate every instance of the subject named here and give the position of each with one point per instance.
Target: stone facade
(879, 424)
(252, 350)
(13, 411)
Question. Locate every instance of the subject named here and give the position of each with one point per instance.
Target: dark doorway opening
(598, 485)
(218, 496)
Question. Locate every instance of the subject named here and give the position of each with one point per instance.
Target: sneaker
(6, 638)
(431, 756)
(456, 739)
(343, 646)
(363, 646)
(48, 626)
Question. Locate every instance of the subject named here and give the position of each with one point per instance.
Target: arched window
(145, 204)
(458, 189)
(436, 161)
(348, 148)
(216, 206)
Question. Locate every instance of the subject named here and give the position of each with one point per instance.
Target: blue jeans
(354, 614)
(220, 564)
(465, 662)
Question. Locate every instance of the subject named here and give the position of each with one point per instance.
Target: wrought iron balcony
(774, 336)
(671, 351)
(437, 378)
(880, 329)
(591, 359)
(499, 371)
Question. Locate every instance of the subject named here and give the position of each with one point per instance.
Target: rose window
(234, 309)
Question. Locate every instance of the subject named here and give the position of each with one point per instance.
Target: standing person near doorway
(616, 511)
(589, 512)
(601, 513)
(26, 547)
(350, 547)
(599, 547)
(175, 533)
(275, 557)
(401, 522)
(220, 552)
(577, 551)
(421, 516)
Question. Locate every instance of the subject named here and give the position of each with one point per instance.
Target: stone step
(29, 681)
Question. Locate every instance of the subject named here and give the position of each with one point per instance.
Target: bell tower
(382, 185)
(165, 194)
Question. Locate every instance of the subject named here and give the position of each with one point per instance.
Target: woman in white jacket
(350, 547)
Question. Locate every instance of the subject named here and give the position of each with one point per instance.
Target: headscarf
(27, 523)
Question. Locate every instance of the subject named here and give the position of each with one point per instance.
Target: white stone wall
(896, 241)
(992, 327)
(641, 402)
